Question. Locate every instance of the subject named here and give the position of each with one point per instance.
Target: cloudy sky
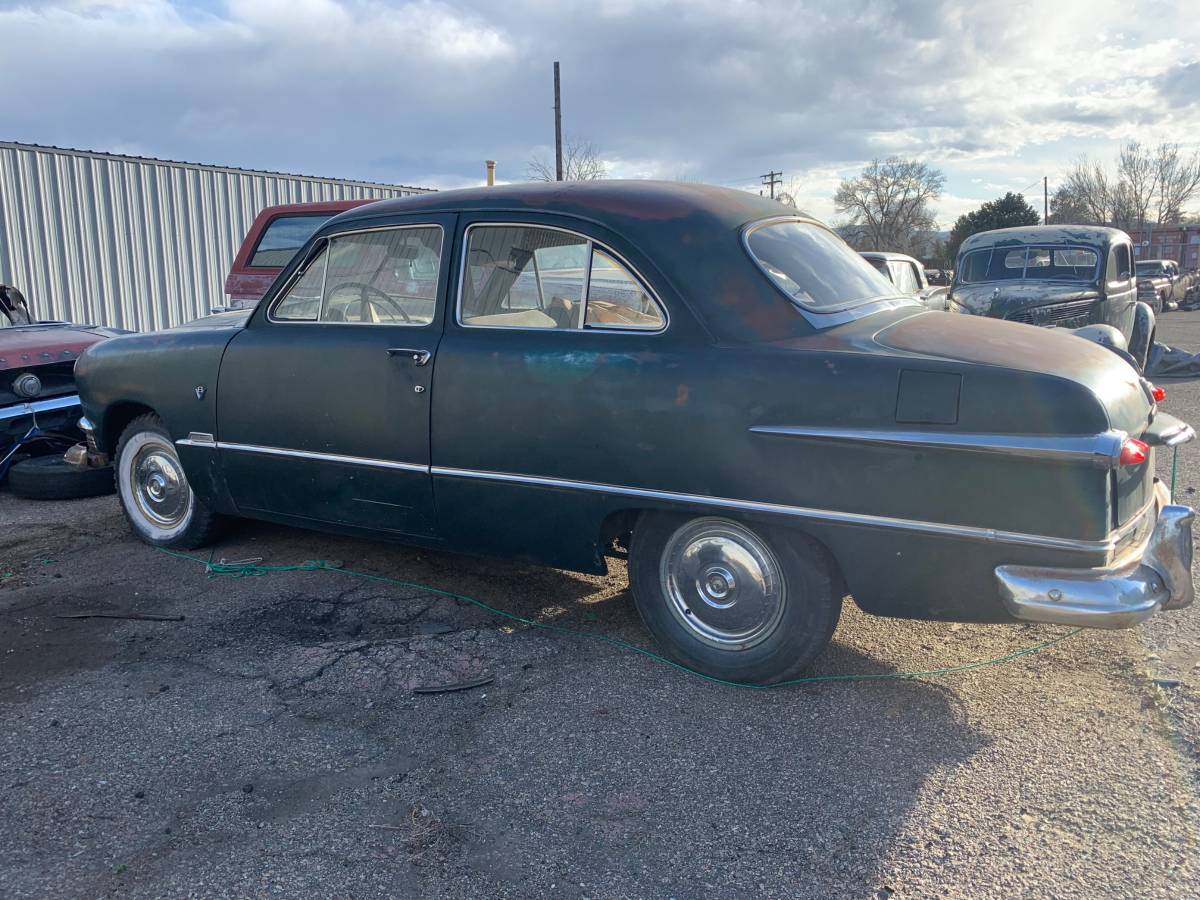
(995, 94)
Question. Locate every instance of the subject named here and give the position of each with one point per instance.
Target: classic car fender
(113, 391)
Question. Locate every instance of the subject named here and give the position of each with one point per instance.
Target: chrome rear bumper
(1157, 575)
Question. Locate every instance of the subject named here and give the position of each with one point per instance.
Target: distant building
(1178, 242)
(132, 242)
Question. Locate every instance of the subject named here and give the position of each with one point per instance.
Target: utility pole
(772, 179)
(1045, 200)
(557, 127)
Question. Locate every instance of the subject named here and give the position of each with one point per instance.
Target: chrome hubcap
(159, 486)
(723, 583)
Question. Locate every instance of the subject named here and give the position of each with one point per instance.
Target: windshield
(1148, 268)
(880, 266)
(815, 267)
(283, 237)
(13, 308)
(1028, 263)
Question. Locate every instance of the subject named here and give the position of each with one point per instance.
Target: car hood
(1012, 345)
(999, 300)
(31, 345)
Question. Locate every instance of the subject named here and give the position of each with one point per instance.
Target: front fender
(172, 373)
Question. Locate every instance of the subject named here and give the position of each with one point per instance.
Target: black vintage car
(697, 377)
(1062, 276)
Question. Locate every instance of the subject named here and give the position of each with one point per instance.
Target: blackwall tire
(158, 502)
(738, 602)
(50, 478)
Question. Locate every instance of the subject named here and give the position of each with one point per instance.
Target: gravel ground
(269, 741)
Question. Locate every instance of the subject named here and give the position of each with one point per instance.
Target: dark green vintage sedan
(695, 377)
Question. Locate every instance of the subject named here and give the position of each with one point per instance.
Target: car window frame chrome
(326, 241)
(592, 244)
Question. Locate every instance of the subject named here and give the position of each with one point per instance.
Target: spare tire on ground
(50, 478)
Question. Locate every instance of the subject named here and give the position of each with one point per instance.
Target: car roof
(613, 203)
(683, 237)
(1094, 235)
(314, 207)
(887, 254)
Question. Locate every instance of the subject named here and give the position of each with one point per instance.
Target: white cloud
(997, 94)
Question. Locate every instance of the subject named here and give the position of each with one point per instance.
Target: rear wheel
(158, 501)
(738, 603)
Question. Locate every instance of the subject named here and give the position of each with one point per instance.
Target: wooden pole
(558, 172)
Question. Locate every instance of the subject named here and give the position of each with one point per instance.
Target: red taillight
(1133, 452)
(1159, 394)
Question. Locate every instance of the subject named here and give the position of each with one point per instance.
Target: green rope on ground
(255, 569)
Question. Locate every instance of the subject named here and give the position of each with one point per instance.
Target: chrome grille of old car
(1075, 313)
(57, 379)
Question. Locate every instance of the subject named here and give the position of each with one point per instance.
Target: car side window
(302, 302)
(904, 278)
(1119, 268)
(525, 276)
(384, 277)
(615, 299)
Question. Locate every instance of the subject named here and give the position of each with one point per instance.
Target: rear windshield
(283, 237)
(815, 267)
(1029, 263)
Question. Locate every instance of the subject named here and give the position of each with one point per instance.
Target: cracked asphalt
(266, 740)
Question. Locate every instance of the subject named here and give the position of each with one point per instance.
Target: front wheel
(742, 604)
(158, 501)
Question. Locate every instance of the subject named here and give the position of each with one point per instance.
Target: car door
(555, 367)
(323, 404)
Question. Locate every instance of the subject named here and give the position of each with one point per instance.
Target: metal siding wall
(131, 243)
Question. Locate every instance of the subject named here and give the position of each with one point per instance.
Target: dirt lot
(269, 742)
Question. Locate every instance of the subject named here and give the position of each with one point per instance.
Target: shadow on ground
(272, 737)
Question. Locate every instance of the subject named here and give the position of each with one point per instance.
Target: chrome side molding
(1103, 450)
(203, 439)
(198, 439)
(967, 532)
(1106, 546)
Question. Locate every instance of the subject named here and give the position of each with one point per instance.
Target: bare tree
(1066, 209)
(581, 162)
(888, 204)
(1178, 181)
(1092, 191)
(1139, 177)
(1148, 185)
(787, 199)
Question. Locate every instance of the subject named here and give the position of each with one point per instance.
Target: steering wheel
(365, 304)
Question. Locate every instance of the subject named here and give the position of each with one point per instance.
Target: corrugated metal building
(132, 242)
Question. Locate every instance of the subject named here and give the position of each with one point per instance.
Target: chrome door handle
(420, 357)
